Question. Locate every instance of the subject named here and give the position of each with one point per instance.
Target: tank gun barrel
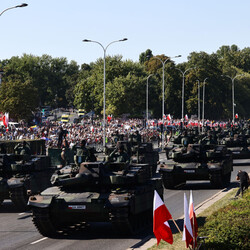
(79, 179)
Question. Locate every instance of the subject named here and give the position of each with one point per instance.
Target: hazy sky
(170, 27)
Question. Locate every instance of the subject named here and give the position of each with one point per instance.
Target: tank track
(216, 179)
(47, 227)
(42, 221)
(125, 223)
(168, 180)
(19, 197)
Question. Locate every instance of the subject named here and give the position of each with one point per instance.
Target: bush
(229, 227)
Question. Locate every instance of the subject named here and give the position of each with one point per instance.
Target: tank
(22, 176)
(119, 193)
(198, 162)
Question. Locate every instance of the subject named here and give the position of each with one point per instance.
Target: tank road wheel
(42, 220)
(168, 180)
(126, 223)
(19, 197)
(216, 179)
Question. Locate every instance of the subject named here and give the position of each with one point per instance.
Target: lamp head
(22, 5)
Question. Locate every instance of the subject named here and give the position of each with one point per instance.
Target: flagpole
(177, 226)
(193, 224)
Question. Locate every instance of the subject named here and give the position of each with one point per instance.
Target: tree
(145, 56)
(18, 98)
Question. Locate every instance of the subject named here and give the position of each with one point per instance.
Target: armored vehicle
(97, 192)
(199, 162)
(22, 176)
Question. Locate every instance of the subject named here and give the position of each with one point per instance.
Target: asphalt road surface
(18, 232)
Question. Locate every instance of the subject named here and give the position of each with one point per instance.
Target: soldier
(119, 155)
(116, 136)
(138, 137)
(83, 154)
(22, 148)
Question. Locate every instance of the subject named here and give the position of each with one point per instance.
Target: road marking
(37, 241)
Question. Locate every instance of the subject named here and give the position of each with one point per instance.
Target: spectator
(243, 177)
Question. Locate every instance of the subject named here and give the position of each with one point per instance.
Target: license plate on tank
(77, 207)
(189, 171)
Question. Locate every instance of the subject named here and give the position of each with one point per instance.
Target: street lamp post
(17, 6)
(163, 69)
(183, 83)
(104, 82)
(199, 108)
(232, 79)
(203, 104)
(147, 100)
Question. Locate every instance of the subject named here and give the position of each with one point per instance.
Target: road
(18, 232)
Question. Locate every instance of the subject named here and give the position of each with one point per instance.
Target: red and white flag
(187, 227)
(186, 117)
(236, 116)
(161, 227)
(193, 220)
(6, 120)
(109, 118)
(169, 117)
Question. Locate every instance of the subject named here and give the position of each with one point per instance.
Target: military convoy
(205, 156)
(121, 193)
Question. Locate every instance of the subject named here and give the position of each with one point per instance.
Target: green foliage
(229, 227)
(58, 83)
(145, 56)
(18, 98)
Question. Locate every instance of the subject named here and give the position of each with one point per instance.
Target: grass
(178, 244)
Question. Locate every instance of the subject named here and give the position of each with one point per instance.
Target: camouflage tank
(22, 176)
(96, 192)
(199, 162)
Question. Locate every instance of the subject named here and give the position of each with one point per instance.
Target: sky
(170, 27)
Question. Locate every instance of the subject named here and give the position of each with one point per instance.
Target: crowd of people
(60, 135)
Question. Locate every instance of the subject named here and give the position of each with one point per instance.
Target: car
(65, 118)
(81, 112)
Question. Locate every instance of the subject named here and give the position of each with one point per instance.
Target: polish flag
(193, 220)
(6, 119)
(236, 116)
(187, 227)
(161, 227)
(109, 118)
(169, 117)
